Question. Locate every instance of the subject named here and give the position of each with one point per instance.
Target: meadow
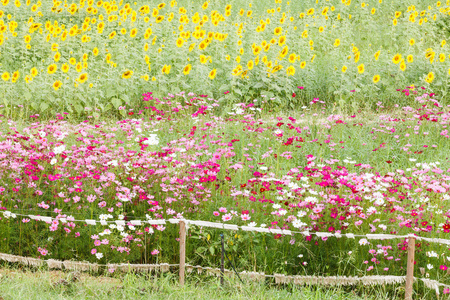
(325, 116)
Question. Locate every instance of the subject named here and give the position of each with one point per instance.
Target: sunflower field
(98, 55)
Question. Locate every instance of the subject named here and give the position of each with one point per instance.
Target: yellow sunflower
(212, 74)
(187, 69)
(127, 74)
(5, 76)
(82, 78)
(57, 85)
(290, 71)
(376, 78)
(430, 77)
(52, 69)
(361, 68)
(397, 58)
(34, 72)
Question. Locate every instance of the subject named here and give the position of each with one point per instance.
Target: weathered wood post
(222, 263)
(410, 268)
(182, 250)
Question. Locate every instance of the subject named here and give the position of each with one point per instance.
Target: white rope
(253, 276)
(218, 225)
(82, 266)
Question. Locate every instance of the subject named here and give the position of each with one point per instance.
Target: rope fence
(279, 278)
(218, 225)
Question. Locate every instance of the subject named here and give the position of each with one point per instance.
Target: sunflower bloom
(361, 68)
(376, 78)
(82, 78)
(5, 76)
(187, 69)
(57, 85)
(212, 74)
(34, 72)
(397, 58)
(402, 66)
(250, 64)
(180, 42)
(277, 31)
(15, 76)
(290, 71)
(430, 77)
(52, 69)
(377, 54)
(127, 74)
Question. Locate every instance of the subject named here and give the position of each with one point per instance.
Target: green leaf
(125, 98)
(258, 85)
(201, 249)
(110, 92)
(27, 95)
(223, 87)
(43, 106)
(212, 250)
(116, 102)
(78, 108)
(107, 107)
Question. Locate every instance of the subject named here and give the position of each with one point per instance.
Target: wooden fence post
(410, 268)
(182, 251)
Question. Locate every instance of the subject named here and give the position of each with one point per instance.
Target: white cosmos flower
(152, 140)
(59, 149)
(363, 242)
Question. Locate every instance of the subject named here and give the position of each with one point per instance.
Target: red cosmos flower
(131, 113)
(446, 228)
(443, 267)
(245, 212)
(293, 95)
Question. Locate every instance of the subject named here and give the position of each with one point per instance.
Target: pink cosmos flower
(226, 217)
